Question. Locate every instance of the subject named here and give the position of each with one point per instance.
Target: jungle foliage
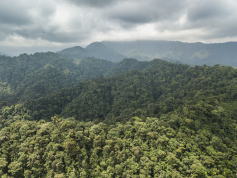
(33, 76)
(140, 119)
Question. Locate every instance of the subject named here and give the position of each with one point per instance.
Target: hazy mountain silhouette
(173, 51)
(189, 53)
(96, 49)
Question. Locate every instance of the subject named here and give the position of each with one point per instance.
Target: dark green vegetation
(140, 119)
(33, 76)
(187, 53)
(166, 147)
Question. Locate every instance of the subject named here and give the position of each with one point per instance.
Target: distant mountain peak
(95, 49)
(197, 53)
(75, 48)
(97, 45)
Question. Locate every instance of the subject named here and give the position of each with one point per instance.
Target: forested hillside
(33, 76)
(140, 119)
(159, 88)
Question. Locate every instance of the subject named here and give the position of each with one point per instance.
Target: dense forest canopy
(132, 119)
(33, 76)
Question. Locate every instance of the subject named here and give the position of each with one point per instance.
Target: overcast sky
(51, 25)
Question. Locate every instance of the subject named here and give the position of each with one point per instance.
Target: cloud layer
(59, 23)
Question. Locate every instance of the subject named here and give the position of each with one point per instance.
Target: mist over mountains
(96, 49)
(174, 51)
(188, 53)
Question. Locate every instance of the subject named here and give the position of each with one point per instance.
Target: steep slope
(188, 53)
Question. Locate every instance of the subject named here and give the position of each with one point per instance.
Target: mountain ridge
(145, 50)
(95, 49)
(218, 53)
(33, 76)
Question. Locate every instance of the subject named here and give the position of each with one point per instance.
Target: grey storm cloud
(208, 14)
(33, 20)
(216, 17)
(13, 15)
(94, 3)
(208, 10)
(18, 13)
(137, 12)
(17, 16)
(51, 35)
(54, 21)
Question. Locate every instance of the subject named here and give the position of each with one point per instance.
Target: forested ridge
(137, 119)
(33, 76)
